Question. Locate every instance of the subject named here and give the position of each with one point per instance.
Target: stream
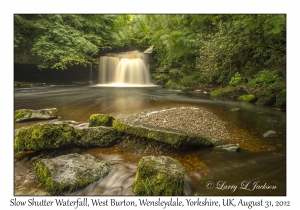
(258, 168)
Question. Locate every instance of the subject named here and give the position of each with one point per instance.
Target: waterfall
(127, 69)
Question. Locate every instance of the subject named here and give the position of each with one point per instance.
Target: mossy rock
(68, 173)
(168, 136)
(29, 114)
(228, 92)
(45, 136)
(281, 99)
(100, 120)
(159, 176)
(97, 136)
(247, 98)
(265, 97)
(219, 92)
(53, 136)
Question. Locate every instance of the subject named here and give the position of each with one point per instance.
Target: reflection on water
(261, 162)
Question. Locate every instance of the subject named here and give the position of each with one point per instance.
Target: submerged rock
(29, 114)
(236, 110)
(158, 176)
(52, 136)
(67, 173)
(100, 120)
(270, 134)
(169, 136)
(229, 147)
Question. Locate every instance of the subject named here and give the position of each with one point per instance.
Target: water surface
(260, 163)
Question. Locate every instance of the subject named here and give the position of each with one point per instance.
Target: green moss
(219, 92)
(44, 175)
(97, 136)
(164, 135)
(100, 120)
(155, 178)
(20, 114)
(228, 92)
(41, 136)
(247, 98)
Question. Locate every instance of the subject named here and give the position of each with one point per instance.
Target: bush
(190, 80)
(236, 79)
(161, 78)
(265, 78)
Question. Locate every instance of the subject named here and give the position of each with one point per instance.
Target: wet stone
(159, 175)
(229, 147)
(270, 134)
(68, 173)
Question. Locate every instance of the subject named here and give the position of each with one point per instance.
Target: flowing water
(258, 168)
(127, 69)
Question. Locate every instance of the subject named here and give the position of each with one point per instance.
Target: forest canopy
(226, 49)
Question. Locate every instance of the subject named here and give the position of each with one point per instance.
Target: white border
(8, 8)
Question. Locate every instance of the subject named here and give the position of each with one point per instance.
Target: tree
(59, 41)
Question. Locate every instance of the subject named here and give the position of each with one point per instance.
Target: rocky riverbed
(190, 120)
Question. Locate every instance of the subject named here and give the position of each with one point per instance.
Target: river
(258, 168)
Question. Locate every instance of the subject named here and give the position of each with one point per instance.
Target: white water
(124, 70)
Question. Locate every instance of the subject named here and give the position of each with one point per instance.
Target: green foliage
(213, 49)
(265, 78)
(236, 79)
(160, 78)
(62, 40)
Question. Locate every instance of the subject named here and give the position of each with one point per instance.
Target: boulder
(247, 98)
(159, 176)
(52, 136)
(270, 134)
(228, 92)
(236, 110)
(99, 136)
(29, 114)
(229, 147)
(281, 99)
(100, 120)
(45, 136)
(68, 173)
(168, 136)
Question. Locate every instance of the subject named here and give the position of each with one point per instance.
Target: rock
(270, 134)
(45, 136)
(29, 114)
(159, 176)
(217, 142)
(265, 97)
(229, 147)
(68, 173)
(99, 136)
(228, 92)
(281, 99)
(168, 136)
(247, 98)
(52, 136)
(100, 120)
(236, 110)
(197, 91)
